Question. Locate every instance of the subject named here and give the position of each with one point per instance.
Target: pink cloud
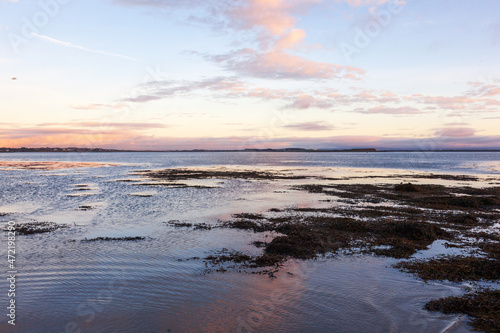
(273, 60)
(390, 110)
(168, 89)
(272, 15)
(492, 102)
(232, 87)
(305, 101)
(162, 3)
(359, 3)
(456, 132)
(222, 87)
(493, 92)
(473, 101)
(311, 126)
(365, 95)
(274, 23)
(444, 102)
(278, 64)
(486, 89)
(290, 39)
(363, 101)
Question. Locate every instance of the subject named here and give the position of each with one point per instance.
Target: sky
(237, 74)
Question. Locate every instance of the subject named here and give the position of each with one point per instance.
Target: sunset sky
(235, 74)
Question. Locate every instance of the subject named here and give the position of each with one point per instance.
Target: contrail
(68, 44)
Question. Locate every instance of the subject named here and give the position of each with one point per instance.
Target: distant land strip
(286, 150)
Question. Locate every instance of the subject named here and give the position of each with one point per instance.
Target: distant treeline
(75, 149)
(104, 150)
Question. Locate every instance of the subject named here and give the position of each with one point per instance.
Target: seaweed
(85, 207)
(482, 306)
(249, 216)
(453, 268)
(113, 239)
(409, 187)
(420, 196)
(420, 215)
(308, 237)
(202, 226)
(184, 174)
(179, 224)
(30, 228)
(195, 226)
(392, 231)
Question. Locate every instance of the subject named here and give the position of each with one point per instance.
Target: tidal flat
(411, 218)
(261, 248)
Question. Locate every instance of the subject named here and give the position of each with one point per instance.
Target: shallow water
(66, 284)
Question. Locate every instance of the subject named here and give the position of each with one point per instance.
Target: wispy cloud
(390, 110)
(306, 101)
(130, 139)
(487, 89)
(311, 126)
(98, 106)
(359, 3)
(74, 46)
(456, 132)
(103, 124)
(278, 64)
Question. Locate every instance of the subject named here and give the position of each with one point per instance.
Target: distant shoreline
(284, 150)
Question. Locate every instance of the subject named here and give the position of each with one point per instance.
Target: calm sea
(66, 285)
